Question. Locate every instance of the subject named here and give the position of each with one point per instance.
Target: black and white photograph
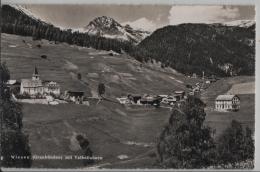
(127, 86)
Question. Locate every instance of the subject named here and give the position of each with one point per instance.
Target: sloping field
(51, 129)
(243, 86)
(121, 74)
(111, 129)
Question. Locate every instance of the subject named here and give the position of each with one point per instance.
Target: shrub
(43, 56)
(84, 144)
(79, 76)
(235, 144)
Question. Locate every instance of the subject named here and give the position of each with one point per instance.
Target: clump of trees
(84, 144)
(13, 141)
(235, 144)
(187, 143)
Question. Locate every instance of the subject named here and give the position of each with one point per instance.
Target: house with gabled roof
(227, 102)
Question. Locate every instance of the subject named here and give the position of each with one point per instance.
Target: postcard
(127, 86)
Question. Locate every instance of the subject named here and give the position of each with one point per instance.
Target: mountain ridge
(105, 26)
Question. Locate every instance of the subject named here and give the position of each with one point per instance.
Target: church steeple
(35, 75)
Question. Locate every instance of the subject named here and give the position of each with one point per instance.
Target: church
(35, 86)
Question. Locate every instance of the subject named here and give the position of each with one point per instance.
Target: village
(37, 91)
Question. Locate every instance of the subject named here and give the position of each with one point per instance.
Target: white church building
(35, 86)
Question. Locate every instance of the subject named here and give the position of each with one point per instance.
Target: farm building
(169, 100)
(151, 100)
(52, 88)
(179, 95)
(36, 86)
(13, 85)
(74, 96)
(134, 98)
(227, 103)
(124, 100)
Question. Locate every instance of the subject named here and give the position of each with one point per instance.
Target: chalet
(52, 88)
(134, 98)
(227, 103)
(124, 100)
(74, 96)
(194, 75)
(195, 92)
(169, 100)
(150, 100)
(35, 86)
(179, 95)
(13, 85)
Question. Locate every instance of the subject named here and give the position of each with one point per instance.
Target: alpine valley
(212, 59)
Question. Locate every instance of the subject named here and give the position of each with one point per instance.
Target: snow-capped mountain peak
(104, 21)
(107, 27)
(240, 23)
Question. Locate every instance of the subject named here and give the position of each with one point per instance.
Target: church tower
(35, 75)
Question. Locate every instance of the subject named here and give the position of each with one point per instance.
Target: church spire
(35, 74)
(36, 71)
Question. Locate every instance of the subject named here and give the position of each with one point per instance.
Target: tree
(12, 139)
(186, 142)
(101, 89)
(84, 144)
(79, 76)
(235, 144)
(4, 73)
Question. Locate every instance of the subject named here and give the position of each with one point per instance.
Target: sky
(146, 17)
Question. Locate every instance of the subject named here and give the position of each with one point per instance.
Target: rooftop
(226, 97)
(31, 83)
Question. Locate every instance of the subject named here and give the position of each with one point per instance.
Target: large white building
(227, 103)
(35, 86)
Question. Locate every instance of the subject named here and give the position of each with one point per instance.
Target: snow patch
(240, 23)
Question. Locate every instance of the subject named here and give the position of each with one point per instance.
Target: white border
(179, 2)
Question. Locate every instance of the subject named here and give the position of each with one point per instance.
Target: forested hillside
(193, 48)
(19, 23)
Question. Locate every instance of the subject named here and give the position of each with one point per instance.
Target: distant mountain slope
(18, 20)
(107, 27)
(194, 48)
